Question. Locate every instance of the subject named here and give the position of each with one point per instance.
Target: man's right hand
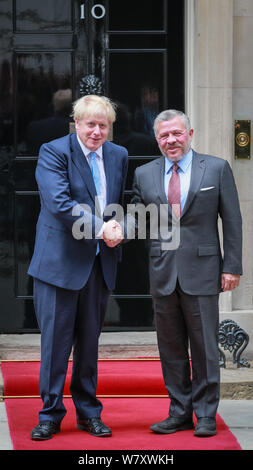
(112, 234)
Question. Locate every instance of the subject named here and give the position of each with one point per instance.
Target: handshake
(112, 233)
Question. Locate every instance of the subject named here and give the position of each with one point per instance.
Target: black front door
(52, 53)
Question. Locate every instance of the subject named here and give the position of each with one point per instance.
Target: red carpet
(129, 418)
(115, 377)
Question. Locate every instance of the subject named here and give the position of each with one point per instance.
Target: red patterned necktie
(174, 191)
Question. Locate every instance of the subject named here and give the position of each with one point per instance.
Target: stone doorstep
(237, 383)
(236, 390)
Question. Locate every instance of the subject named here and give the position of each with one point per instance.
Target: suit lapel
(84, 169)
(197, 173)
(158, 177)
(83, 166)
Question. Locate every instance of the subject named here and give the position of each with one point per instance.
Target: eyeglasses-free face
(173, 138)
(93, 131)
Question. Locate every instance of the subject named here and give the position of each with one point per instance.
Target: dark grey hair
(169, 114)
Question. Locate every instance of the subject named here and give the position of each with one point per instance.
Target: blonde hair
(94, 105)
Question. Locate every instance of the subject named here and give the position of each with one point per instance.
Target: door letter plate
(242, 139)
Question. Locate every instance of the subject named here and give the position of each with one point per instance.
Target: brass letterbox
(242, 139)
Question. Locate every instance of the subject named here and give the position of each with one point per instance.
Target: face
(173, 138)
(92, 131)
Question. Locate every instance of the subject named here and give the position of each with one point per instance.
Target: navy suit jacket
(65, 182)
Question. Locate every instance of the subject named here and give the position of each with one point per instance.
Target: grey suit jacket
(198, 262)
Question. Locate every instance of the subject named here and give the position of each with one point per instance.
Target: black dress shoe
(171, 425)
(94, 426)
(205, 427)
(45, 430)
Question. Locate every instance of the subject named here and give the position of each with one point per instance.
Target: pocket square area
(206, 189)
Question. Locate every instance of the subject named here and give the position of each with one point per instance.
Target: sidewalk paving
(236, 405)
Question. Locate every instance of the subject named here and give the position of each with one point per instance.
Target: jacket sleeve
(230, 214)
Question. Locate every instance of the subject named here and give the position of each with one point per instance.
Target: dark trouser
(70, 318)
(183, 320)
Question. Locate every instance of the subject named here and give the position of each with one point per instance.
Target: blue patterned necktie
(95, 171)
(96, 177)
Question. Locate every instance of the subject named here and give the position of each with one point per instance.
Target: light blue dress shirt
(184, 171)
(100, 162)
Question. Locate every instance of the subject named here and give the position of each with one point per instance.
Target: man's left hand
(229, 281)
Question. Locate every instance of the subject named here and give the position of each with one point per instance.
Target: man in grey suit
(185, 282)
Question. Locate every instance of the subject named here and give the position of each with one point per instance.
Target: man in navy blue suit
(75, 260)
